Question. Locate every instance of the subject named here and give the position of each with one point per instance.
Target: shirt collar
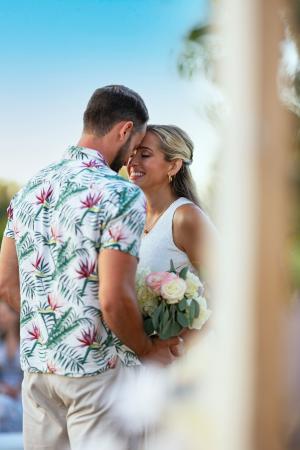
(89, 156)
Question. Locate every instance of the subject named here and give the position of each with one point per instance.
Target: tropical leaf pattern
(60, 221)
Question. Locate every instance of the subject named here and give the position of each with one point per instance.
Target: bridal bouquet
(170, 301)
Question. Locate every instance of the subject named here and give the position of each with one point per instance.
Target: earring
(170, 178)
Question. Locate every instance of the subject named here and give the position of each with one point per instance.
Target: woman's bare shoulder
(190, 216)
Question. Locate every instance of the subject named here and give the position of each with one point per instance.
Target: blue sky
(55, 53)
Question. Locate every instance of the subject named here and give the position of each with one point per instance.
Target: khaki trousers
(66, 413)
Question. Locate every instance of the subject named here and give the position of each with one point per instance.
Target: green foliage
(168, 320)
(172, 267)
(7, 190)
(183, 273)
(199, 52)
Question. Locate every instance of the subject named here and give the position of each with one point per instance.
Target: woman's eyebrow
(143, 147)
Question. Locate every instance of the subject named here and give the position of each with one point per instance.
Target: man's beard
(121, 156)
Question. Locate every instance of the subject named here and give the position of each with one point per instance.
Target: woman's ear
(175, 166)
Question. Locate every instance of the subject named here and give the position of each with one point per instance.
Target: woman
(176, 228)
(10, 371)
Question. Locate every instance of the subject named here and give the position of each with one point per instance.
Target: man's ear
(175, 166)
(125, 130)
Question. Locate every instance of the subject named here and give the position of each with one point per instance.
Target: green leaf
(175, 328)
(170, 329)
(148, 326)
(165, 332)
(197, 308)
(182, 304)
(172, 267)
(156, 316)
(182, 319)
(165, 317)
(192, 310)
(183, 272)
(198, 33)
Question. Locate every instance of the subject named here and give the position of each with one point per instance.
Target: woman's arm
(195, 235)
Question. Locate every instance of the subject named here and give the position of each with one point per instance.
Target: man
(73, 236)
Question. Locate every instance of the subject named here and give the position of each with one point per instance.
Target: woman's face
(147, 166)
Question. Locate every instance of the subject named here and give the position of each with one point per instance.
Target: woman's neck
(157, 202)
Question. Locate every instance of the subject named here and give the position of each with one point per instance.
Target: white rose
(204, 314)
(193, 284)
(173, 291)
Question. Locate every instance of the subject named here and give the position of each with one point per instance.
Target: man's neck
(100, 144)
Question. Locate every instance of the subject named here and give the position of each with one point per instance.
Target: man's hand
(161, 351)
(179, 349)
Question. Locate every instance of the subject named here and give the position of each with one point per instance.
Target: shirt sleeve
(9, 229)
(125, 220)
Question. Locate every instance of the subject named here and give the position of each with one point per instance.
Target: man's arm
(9, 274)
(119, 306)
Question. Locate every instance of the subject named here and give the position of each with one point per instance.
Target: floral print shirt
(61, 220)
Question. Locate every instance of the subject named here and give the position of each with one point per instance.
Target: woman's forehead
(150, 139)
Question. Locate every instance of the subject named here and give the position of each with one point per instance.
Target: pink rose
(156, 279)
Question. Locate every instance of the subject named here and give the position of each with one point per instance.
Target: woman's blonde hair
(176, 144)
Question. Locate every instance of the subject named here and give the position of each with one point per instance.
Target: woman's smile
(135, 174)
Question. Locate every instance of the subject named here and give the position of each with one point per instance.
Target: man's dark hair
(112, 104)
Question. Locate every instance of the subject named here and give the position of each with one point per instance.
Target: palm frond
(69, 290)
(68, 358)
(27, 313)
(69, 190)
(129, 356)
(43, 284)
(26, 215)
(92, 311)
(27, 285)
(70, 220)
(100, 354)
(57, 334)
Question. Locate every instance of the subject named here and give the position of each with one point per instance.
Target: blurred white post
(233, 380)
(252, 220)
